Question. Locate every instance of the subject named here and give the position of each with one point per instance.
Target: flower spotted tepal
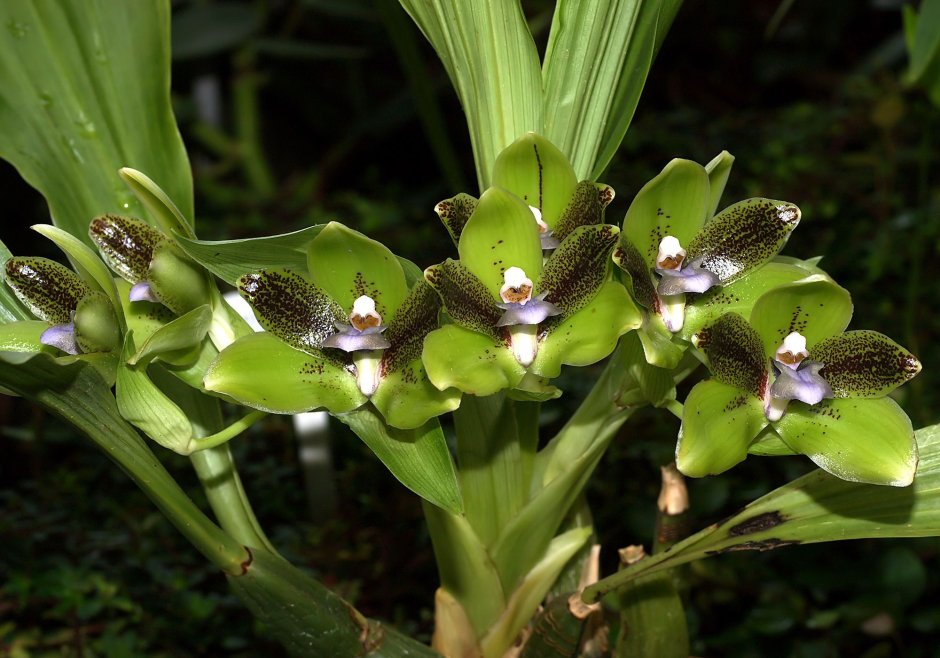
(791, 380)
(347, 331)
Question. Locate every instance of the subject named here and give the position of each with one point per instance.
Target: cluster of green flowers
(533, 288)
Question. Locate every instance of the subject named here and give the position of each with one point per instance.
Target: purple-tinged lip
(142, 292)
(549, 241)
(534, 311)
(803, 383)
(350, 339)
(690, 278)
(61, 336)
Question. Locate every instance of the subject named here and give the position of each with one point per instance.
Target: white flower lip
(543, 227)
(671, 254)
(792, 350)
(363, 314)
(517, 287)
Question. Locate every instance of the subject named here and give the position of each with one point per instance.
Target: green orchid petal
(177, 342)
(455, 212)
(291, 307)
(475, 363)
(719, 422)
(143, 318)
(578, 267)
(660, 347)
(815, 306)
(50, 290)
(738, 297)
(674, 203)
(179, 282)
(735, 354)
(857, 440)
(467, 300)
(23, 336)
(96, 327)
(585, 208)
(416, 318)
(500, 234)
(864, 364)
(537, 172)
(769, 444)
(126, 244)
(407, 398)
(744, 236)
(718, 171)
(640, 279)
(346, 265)
(263, 372)
(590, 334)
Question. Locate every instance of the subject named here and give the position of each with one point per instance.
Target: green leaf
(590, 334)
(148, 408)
(105, 104)
(231, 259)
(815, 508)
(652, 619)
(857, 440)
(674, 203)
(472, 362)
(579, 266)
(816, 307)
(864, 364)
(168, 216)
(535, 170)
(735, 354)
(22, 336)
(500, 234)
(718, 171)
(262, 371)
(926, 44)
(418, 458)
(596, 63)
(718, 424)
(744, 236)
(346, 264)
(494, 66)
(181, 334)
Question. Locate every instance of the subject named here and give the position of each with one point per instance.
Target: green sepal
(126, 244)
(588, 335)
(346, 265)
(578, 267)
(291, 307)
(769, 444)
(500, 234)
(868, 441)
(718, 171)
(744, 236)
(454, 213)
(674, 203)
(418, 458)
(466, 299)
(735, 354)
(179, 282)
(178, 341)
(737, 297)
(660, 347)
(639, 278)
(815, 306)
(96, 327)
(265, 373)
(407, 399)
(537, 172)
(585, 208)
(417, 316)
(719, 422)
(864, 364)
(50, 290)
(23, 336)
(148, 408)
(472, 362)
(143, 318)
(158, 202)
(533, 388)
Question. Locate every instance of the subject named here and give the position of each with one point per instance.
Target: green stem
(227, 434)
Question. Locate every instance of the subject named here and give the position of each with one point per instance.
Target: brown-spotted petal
(630, 260)
(466, 298)
(864, 364)
(416, 318)
(744, 236)
(576, 270)
(585, 208)
(455, 212)
(735, 354)
(291, 307)
(126, 244)
(49, 289)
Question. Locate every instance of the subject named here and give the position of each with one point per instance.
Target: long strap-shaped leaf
(598, 57)
(85, 90)
(815, 508)
(488, 52)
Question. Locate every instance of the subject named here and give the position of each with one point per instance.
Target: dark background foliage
(301, 111)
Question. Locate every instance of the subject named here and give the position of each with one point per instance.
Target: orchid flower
(348, 331)
(669, 251)
(790, 380)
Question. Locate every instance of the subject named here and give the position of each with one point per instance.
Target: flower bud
(96, 328)
(179, 283)
(49, 290)
(126, 244)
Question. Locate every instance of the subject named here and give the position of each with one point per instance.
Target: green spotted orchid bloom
(346, 332)
(532, 288)
(674, 246)
(790, 380)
